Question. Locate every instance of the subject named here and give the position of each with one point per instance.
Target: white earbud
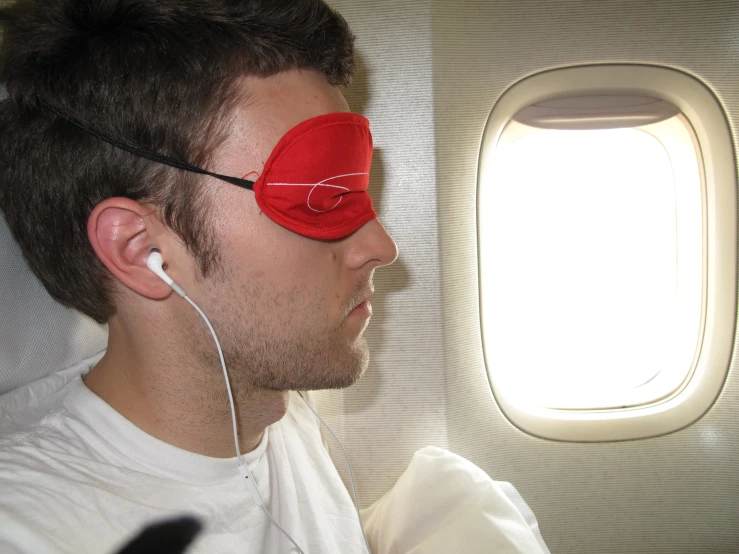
(155, 263)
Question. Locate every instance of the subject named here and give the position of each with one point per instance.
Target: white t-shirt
(77, 477)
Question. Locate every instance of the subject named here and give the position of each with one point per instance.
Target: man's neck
(183, 405)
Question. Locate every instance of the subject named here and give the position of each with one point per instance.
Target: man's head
(213, 83)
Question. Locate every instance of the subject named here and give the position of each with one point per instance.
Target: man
(105, 97)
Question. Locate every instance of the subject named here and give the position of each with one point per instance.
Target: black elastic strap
(148, 154)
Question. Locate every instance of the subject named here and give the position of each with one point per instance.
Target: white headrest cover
(38, 336)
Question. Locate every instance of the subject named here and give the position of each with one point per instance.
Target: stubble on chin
(279, 353)
(298, 365)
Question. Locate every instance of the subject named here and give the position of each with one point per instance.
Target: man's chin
(305, 370)
(338, 376)
(342, 378)
(343, 381)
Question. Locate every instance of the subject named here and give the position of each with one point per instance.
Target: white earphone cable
(225, 375)
(243, 467)
(348, 465)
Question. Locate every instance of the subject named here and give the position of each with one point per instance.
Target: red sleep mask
(315, 180)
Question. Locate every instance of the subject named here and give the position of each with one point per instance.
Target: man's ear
(122, 233)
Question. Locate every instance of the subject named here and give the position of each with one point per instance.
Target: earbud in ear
(155, 262)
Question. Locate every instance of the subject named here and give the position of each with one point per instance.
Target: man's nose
(371, 246)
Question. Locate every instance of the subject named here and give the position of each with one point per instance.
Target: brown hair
(156, 74)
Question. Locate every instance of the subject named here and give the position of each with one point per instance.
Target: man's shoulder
(33, 408)
(51, 470)
(36, 434)
(31, 471)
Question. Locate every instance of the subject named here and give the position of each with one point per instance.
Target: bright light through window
(591, 251)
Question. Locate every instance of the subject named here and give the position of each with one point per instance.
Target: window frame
(715, 148)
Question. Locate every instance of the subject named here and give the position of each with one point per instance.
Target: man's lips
(363, 309)
(362, 306)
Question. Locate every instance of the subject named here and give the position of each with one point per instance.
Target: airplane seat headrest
(38, 336)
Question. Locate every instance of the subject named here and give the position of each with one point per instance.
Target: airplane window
(607, 232)
(591, 257)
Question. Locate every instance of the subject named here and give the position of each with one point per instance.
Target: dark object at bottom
(168, 537)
